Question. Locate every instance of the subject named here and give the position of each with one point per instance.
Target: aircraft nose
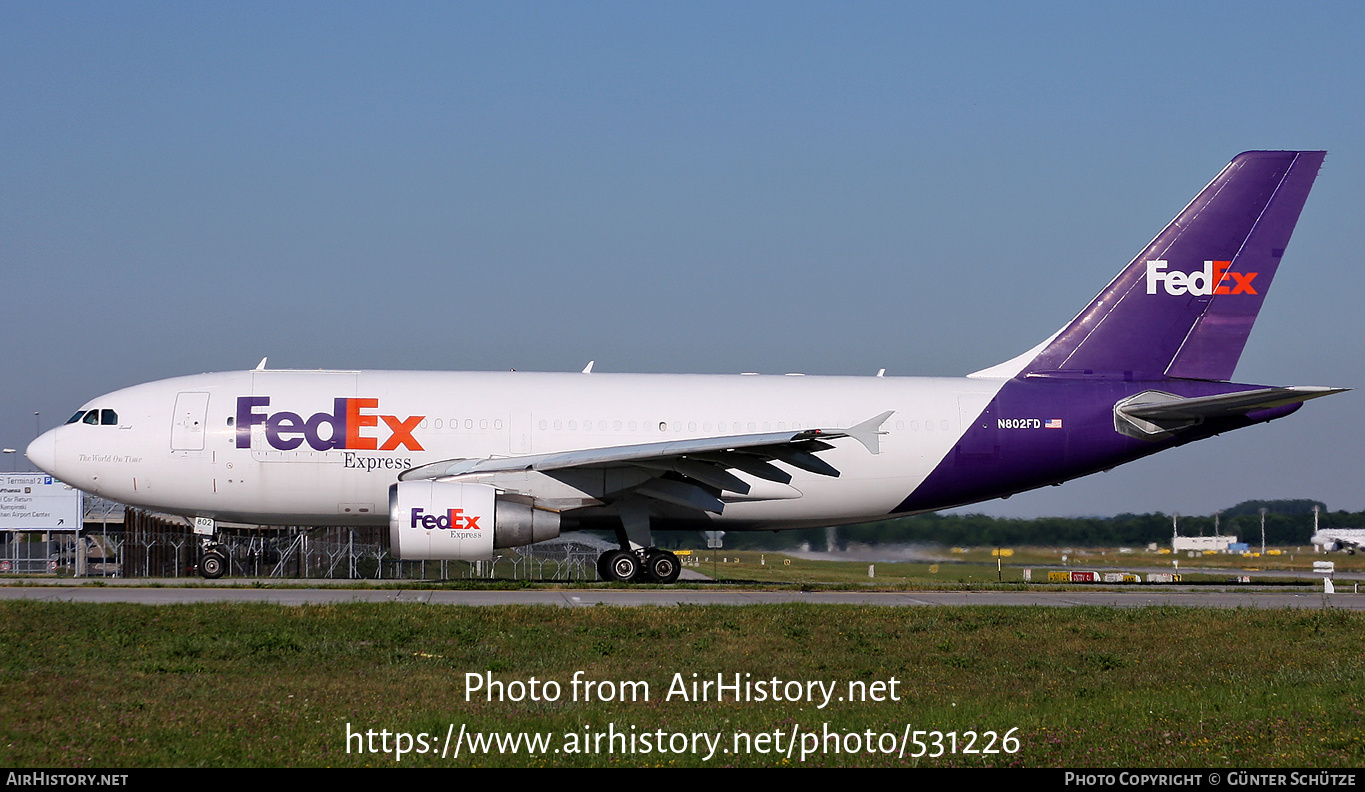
(43, 452)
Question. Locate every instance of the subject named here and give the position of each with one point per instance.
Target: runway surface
(570, 598)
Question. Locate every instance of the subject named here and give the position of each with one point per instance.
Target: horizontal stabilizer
(1153, 414)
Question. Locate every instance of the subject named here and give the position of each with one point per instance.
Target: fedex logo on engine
(346, 425)
(453, 519)
(1213, 279)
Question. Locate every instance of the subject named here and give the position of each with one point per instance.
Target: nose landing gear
(213, 563)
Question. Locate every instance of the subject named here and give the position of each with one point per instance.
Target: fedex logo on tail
(453, 519)
(1213, 279)
(347, 426)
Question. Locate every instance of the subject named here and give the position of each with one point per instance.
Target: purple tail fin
(1185, 305)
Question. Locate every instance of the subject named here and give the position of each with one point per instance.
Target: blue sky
(773, 187)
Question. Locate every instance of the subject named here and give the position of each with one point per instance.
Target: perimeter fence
(147, 545)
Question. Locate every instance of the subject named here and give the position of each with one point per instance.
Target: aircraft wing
(685, 472)
(1153, 413)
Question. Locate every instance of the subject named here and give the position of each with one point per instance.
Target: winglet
(869, 432)
(588, 368)
(261, 366)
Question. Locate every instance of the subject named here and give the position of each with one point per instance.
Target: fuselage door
(978, 425)
(519, 442)
(187, 422)
(313, 398)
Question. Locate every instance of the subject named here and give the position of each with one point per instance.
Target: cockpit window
(96, 417)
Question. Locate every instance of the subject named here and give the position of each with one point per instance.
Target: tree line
(1287, 522)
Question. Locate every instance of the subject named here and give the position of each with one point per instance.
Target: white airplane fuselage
(157, 457)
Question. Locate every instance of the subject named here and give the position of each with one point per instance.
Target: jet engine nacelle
(453, 521)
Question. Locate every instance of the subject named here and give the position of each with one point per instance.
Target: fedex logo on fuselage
(453, 519)
(346, 426)
(1213, 279)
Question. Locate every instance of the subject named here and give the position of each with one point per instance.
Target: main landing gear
(637, 560)
(651, 565)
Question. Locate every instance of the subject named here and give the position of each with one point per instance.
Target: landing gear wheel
(662, 566)
(622, 566)
(603, 572)
(212, 566)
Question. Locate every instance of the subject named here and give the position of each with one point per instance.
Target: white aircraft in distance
(1347, 540)
(458, 464)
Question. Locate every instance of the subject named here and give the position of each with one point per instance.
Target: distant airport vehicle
(1347, 540)
(459, 464)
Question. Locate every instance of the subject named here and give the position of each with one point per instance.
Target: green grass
(261, 685)
(977, 568)
(772, 567)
